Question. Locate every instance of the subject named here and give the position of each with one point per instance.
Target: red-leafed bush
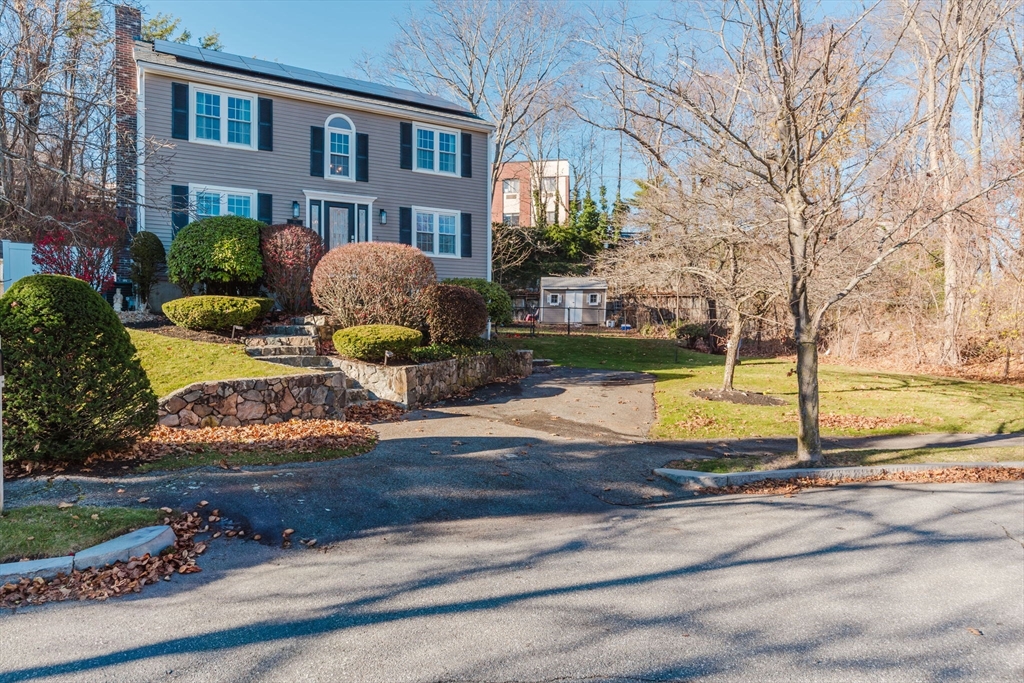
(81, 245)
(290, 255)
(454, 313)
(373, 283)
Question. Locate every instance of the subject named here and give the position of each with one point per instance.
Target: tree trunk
(808, 440)
(732, 348)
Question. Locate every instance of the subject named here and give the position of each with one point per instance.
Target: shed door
(574, 307)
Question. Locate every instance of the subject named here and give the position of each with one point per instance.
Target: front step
(299, 361)
(356, 396)
(316, 320)
(265, 351)
(291, 330)
(279, 340)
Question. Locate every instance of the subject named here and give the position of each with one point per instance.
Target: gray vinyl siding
(284, 172)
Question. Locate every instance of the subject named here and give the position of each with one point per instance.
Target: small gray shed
(580, 300)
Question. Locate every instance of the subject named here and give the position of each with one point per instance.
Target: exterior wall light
(383, 217)
(295, 209)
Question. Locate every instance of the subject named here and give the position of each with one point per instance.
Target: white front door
(573, 307)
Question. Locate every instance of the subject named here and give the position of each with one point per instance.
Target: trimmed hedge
(454, 313)
(222, 252)
(74, 383)
(369, 342)
(265, 302)
(212, 312)
(147, 254)
(499, 303)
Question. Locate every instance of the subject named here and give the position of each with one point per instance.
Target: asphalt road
(519, 536)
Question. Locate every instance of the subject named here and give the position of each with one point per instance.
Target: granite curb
(694, 478)
(148, 540)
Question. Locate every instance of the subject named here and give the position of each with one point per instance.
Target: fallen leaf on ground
(65, 506)
(948, 475)
(975, 631)
(143, 499)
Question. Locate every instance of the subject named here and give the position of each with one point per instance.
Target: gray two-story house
(204, 133)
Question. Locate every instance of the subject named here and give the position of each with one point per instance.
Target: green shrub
(222, 253)
(454, 313)
(74, 385)
(147, 254)
(434, 353)
(369, 342)
(212, 312)
(266, 305)
(499, 303)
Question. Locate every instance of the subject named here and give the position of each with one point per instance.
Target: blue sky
(325, 35)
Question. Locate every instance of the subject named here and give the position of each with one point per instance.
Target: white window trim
(437, 236)
(223, 142)
(314, 195)
(554, 299)
(195, 188)
(416, 127)
(593, 299)
(351, 178)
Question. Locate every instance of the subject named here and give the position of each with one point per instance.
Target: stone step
(278, 340)
(295, 330)
(541, 362)
(309, 320)
(356, 396)
(264, 351)
(299, 361)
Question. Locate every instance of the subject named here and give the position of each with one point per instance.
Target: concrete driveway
(518, 535)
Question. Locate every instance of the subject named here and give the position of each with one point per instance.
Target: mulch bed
(949, 475)
(122, 578)
(193, 335)
(295, 436)
(748, 398)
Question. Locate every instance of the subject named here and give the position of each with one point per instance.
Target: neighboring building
(204, 133)
(515, 188)
(573, 300)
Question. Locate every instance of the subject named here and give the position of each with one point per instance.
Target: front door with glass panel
(339, 224)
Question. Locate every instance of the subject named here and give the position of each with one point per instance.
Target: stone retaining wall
(266, 400)
(414, 385)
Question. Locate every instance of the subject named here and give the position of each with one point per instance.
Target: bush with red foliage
(454, 313)
(82, 245)
(290, 255)
(373, 283)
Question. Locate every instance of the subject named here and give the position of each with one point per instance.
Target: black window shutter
(467, 155)
(179, 111)
(467, 235)
(179, 208)
(405, 224)
(266, 132)
(362, 157)
(405, 160)
(316, 151)
(265, 208)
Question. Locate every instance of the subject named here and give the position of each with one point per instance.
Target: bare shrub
(373, 283)
(290, 255)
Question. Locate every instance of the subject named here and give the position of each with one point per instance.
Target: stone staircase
(295, 344)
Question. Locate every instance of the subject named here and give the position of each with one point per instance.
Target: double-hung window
(222, 117)
(341, 143)
(221, 201)
(510, 186)
(437, 232)
(437, 150)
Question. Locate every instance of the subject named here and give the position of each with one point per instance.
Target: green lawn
(41, 531)
(941, 404)
(175, 363)
(848, 458)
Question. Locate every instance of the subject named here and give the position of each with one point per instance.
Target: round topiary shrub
(266, 305)
(147, 254)
(499, 303)
(370, 342)
(454, 313)
(74, 385)
(290, 255)
(373, 283)
(222, 253)
(212, 312)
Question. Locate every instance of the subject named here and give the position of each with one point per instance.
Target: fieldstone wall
(267, 400)
(414, 385)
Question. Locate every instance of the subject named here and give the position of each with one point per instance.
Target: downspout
(490, 198)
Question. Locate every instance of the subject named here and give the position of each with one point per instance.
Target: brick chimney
(127, 29)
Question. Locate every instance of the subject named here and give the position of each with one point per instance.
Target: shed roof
(573, 283)
(294, 74)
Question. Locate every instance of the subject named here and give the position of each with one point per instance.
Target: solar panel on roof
(307, 76)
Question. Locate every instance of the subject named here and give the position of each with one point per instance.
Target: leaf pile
(294, 436)
(121, 578)
(374, 411)
(948, 475)
(697, 422)
(833, 421)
